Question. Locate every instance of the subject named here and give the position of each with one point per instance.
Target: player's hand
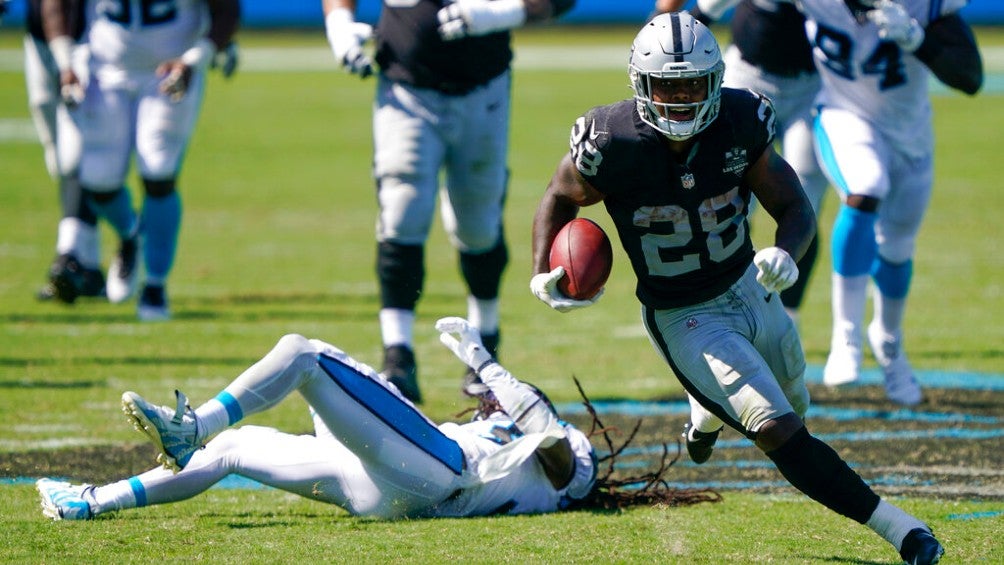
(468, 348)
(895, 24)
(226, 60)
(777, 269)
(545, 287)
(466, 18)
(70, 89)
(176, 77)
(347, 38)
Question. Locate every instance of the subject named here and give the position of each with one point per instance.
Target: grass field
(277, 238)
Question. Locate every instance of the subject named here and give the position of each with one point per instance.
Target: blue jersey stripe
(399, 415)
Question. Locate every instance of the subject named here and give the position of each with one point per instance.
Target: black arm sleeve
(700, 16)
(562, 6)
(950, 51)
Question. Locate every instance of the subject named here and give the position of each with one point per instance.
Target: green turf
(277, 238)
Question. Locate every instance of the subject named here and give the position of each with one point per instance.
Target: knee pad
(401, 271)
(483, 271)
(854, 247)
(158, 188)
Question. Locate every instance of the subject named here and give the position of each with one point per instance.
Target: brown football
(584, 250)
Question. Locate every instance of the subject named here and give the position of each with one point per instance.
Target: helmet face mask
(674, 46)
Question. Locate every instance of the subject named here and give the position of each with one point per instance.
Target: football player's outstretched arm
(949, 49)
(528, 409)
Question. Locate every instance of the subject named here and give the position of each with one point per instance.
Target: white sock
(850, 295)
(889, 312)
(397, 326)
(211, 418)
(483, 314)
(115, 496)
(892, 523)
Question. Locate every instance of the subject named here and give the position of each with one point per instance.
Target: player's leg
(899, 222)
(854, 160)
(314, 468)
(408, 155)
(163, 130)
(76, 269)
(472, 206)
(106, 120)
(730, 378)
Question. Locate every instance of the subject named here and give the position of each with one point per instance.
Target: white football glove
(347, 37)
(777, 269)
(226, 60)
(468, 348)
(545, 287)
(465, 18)
(895, 24)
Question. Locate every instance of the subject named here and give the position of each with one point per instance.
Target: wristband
(501, 15)
(200, 54)
(336, 22)
(483, 365)
(62, 49)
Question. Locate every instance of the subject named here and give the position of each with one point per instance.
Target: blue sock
(161, 224)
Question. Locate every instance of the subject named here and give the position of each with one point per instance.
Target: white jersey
(871, 77)
(137, 36)
(505, 478)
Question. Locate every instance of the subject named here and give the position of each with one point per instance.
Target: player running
(676, 168)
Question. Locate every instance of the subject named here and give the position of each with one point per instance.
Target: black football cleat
(400, 369)
(920, 547)
(700, 447)
(66, 279)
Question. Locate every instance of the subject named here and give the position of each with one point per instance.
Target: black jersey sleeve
(602, 146)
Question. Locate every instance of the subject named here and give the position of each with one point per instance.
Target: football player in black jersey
(442, 105)
(676, 168)
(76, 270)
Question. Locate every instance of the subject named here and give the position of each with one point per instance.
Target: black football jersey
(410, 50)
(772, 37)
(33, 19)
(682, 221)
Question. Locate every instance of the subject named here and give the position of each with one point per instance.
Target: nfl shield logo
(687, 180)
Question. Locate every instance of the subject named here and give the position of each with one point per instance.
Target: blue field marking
(976, 515)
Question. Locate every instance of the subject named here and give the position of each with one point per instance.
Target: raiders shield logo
(687, 181)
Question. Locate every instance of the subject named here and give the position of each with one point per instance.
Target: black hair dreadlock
(610, 493)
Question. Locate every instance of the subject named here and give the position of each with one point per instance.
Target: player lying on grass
(373, 452)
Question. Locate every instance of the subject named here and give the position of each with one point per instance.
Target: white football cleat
(172, 430)
(843, 366)
(63, 501)
(900, 385)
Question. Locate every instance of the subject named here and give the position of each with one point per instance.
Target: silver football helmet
(675, 45)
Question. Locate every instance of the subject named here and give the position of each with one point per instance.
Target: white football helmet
(675, 45)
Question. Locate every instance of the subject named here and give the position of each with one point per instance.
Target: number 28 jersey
(683, 222)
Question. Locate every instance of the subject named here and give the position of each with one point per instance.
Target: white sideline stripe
(552, 58)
